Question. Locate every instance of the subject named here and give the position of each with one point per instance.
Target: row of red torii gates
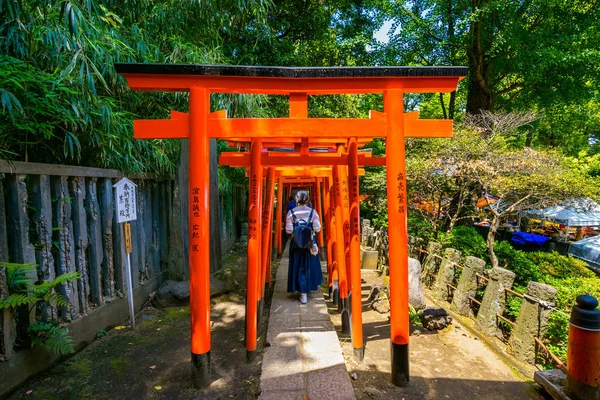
(331, 175)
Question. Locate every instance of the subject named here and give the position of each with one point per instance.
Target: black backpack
(303, 231)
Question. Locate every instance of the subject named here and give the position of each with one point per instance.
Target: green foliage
(418, 226)
(414, 316)
(519, 262)
(24, 292)
(467, 240)
(558, 266)
(374, 207)
(101, 333)
(51, 337)
(18, 275)
(16, 300)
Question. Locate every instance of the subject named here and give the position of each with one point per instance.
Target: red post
(253, 280)
(319, 207)
(278, 220)
(328, 233)
(398, 235)
(199, 237)
(355, 277)
(343, 304)
(268, 229)
(346, 214)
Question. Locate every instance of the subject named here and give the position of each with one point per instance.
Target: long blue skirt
(304, 271)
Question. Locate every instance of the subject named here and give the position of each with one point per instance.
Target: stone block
(435, 318)
(368, 258)
(445, 274)
(494, 299)
(331, 383)
(467, 286)
(431, 263)
(282, 368)
(531, 321)
(416, 294)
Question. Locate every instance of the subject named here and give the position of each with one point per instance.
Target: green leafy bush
(466, 240)
(519, 262)
(559, 266)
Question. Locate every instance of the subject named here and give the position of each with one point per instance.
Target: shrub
(466, 240)
(559, 266)
(517, 261)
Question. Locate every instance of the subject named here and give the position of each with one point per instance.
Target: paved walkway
(303, 357)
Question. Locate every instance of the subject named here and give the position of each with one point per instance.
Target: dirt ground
(154, 361)
(450, 364)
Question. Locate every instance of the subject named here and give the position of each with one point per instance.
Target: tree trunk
(480, 96)
(491, 238)
(451, 105)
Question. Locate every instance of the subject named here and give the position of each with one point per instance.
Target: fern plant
(25, 292)
(52, 337)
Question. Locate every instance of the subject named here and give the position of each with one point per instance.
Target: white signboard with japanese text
(125, 200)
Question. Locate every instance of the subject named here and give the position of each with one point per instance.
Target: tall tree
(520, 52)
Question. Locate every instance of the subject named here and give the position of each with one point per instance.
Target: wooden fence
(62, 219)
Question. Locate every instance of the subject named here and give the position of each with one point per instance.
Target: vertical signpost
(126, 204)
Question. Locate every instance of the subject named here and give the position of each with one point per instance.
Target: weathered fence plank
(80, 231)
(95, 238)
(141, 233)
(20, 249)
(7, 325)
(106, 217)
(3, 237)
(135, 255)
(119, 255)
(149, 242)
(41, 203)
(163, 222)
(65, 243)
(156, 227)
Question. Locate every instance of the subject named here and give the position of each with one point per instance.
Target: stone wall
(62, 219)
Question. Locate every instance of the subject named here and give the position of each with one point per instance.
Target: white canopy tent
(572, 213)
(587, 250)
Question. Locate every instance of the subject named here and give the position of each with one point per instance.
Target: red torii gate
(200, 125)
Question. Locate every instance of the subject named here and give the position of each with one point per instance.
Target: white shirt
(302, 212)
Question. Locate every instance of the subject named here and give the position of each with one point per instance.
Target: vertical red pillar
(199, 236)
(319, 206)
(343, 304)
(335, 277)
(328, 233)
(346, 214)
(278, 219)
(398, 235)
(355, 276)
(268, 229)
(253, 280)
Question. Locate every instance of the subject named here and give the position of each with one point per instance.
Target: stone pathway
(303, 357)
